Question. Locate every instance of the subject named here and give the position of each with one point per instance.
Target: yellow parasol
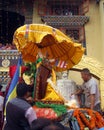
(32, 39)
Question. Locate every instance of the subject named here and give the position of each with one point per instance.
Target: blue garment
(101, 128)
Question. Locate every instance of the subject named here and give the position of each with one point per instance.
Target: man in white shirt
(91, 90)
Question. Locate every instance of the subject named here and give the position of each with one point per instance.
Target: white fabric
(1, 102)
(66, 87)
(30, 115)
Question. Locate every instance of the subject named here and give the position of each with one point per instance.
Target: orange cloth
(45, 112)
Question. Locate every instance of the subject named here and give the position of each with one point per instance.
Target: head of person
(52, 127)
(65, 75)
(85, 74)
(23, 90)
(40, 123)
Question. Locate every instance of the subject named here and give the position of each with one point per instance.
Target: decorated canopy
(35, 39)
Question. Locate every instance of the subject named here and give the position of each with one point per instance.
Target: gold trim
(96, 69)
(4, 69)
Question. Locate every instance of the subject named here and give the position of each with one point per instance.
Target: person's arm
(30, 100)
(30, 115)
(92, 101)
(77, 92)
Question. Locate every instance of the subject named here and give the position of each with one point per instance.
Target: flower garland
(99, 119)
(92, 119)
(92, 122)
(76, 114)
(86, 121)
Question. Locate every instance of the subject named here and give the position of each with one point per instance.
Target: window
(73, 33)
(13, 14)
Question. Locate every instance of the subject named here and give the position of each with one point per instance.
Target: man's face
(84, 76)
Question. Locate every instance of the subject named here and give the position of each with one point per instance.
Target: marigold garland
(98, 124)
(92, 123)
(99, 119)
(92, 119)
(84, 119)
(82, 126)
(76, 114)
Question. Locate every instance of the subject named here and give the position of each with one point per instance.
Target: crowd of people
(7, 46)
(21, 116)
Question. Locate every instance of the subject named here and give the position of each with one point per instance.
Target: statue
(67, 87)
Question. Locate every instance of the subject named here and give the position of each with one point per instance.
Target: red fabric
(12, 70)
(1, 94)
(45, 112)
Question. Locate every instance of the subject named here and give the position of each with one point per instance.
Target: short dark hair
(52, 127)
(40, 123)
(86, 71)
(1, 87)
(22, 89)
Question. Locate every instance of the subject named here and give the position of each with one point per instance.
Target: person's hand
(30, 99)
(72, 94)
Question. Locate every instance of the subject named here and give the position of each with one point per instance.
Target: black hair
(60, 126)
(52, 127)
(22, 89)
(1, 87)
(40, 123)
(47, 124)
(86, 71)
